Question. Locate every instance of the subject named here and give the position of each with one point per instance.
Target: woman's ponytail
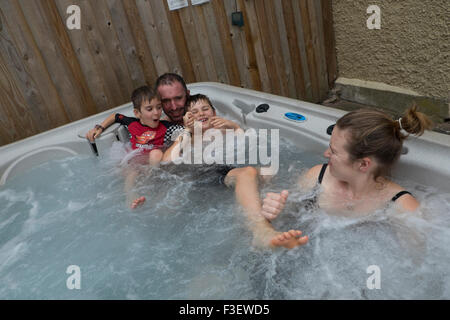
(414, 122)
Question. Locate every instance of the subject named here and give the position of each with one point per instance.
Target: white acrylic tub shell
(426, 160)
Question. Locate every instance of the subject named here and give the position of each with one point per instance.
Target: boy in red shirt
(148, 133)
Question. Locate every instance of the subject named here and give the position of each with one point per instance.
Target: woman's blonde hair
(374, 133)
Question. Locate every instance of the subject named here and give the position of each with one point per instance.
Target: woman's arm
(308, 180)
(407, 203)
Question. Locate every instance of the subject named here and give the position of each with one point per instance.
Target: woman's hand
(273, 204)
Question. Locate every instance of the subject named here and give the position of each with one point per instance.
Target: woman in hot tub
(364, 145)
(245, 180)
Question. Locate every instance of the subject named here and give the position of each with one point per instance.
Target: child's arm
(99, 128)
(221, 123)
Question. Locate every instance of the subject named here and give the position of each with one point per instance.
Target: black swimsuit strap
(324, 168)
(398, 195)
(322, 172)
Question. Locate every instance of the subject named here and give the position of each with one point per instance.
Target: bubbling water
(189, 240)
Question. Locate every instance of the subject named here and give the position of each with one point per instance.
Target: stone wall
(411, 50)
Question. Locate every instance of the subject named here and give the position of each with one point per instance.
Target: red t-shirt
(143, 137)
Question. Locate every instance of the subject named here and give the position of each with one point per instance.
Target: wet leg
(246, 185)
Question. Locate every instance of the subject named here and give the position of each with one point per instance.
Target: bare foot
(137, 202)
(290, 239)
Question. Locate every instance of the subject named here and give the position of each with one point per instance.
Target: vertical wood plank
(152, 36)
(225, 35)
(126, 41)
(253, 61)
(100, 93)
(203, 40)
(193, 45)
(267, 48)
(214, 39)
(315, 17)
(142, 50)
(255, 41)
(26, 64)
(16, 121)
(248, 73)
(93, 58)
(288, 74)
(165, 33)
(302, 48)
(330, 42)
(277, 52)
(113, 52)
(87, 101)
(45, 41)
(294, 49)
(180, 42)
(308, 38)
(49, 33)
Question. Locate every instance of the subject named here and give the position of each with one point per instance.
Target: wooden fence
(51, 75)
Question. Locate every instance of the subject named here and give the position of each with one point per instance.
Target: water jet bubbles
(189, 239)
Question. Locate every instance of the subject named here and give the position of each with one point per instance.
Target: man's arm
(173, 152)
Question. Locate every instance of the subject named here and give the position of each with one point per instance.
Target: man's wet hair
(169, 79)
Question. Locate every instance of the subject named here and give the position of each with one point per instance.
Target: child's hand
(188, 120)
(92, 134)
(221, 123)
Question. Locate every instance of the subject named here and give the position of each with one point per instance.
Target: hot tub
(423, 161)
(65, 232)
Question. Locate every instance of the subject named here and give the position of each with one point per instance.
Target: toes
(137, 202)
(281, 237)
(294, 233)
(303, 240)
(289, 239)
(286, 235)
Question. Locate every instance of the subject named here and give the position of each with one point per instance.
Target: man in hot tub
(173, 93)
